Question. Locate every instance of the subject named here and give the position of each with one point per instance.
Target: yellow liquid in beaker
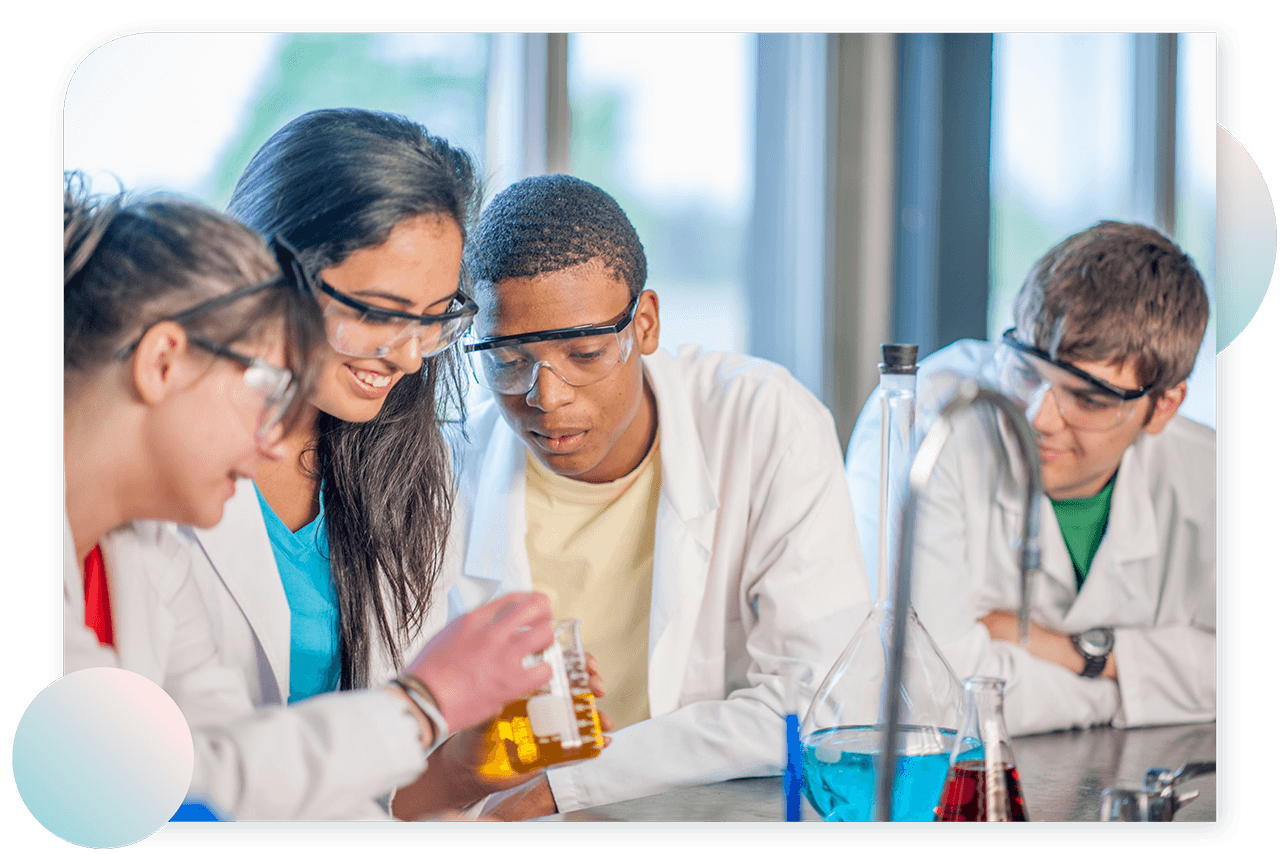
(511, 748)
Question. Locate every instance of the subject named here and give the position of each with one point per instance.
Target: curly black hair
(548, 223)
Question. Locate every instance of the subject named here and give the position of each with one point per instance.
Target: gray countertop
(1063, 775)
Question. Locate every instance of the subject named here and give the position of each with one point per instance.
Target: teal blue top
(1083, 522)
(302, 558)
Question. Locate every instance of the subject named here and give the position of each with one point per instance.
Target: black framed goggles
(466, 308)
(1124, 394)
(292, 274)
(584, 331)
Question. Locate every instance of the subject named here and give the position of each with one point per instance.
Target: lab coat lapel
(1058, 583)
(239, 550)
(1114, 578)
(142, 626)
(495, 541)
(684, 534)
(1112, 581)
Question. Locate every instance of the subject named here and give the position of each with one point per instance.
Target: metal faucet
(967, 395)
(1156, 800)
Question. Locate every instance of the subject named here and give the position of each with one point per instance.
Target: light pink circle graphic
(102, 757)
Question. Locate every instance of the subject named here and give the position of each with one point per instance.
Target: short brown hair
(1113, 292)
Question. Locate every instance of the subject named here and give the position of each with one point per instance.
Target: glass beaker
(557, 724)
(843, 732)
(982, 783)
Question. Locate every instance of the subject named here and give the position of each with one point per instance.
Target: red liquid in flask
(974, 793)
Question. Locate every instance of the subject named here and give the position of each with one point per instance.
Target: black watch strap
(1094, 663)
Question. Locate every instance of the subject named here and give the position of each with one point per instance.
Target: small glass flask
(982, 783)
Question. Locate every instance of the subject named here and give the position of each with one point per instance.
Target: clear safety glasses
(1084, 401)
(356, 328)
(579, 355)
(272, 384)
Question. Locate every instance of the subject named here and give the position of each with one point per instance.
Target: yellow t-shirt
(590, 550)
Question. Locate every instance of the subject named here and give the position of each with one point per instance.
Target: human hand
(475, 664)
(532, 799)
(454, 778)
(596, 682)
(1042, 643)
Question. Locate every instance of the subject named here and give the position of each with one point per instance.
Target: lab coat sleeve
(329, 757)
(802, 594)
(1168, 674)
(948, 580)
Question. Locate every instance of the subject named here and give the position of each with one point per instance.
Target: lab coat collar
(1131, 537)
(684, 533)
(235, 548)
(1131, 531)
(499, 508)
(685, 526)
(686, 481)
(141, 626)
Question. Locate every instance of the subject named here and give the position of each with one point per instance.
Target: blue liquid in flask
(840, 778)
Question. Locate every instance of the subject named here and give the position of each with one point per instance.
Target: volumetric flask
(557, 724)
(982, 784)
(843, 734)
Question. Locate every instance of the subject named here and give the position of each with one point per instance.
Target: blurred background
(800, 197)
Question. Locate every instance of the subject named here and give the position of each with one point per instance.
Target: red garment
(97, 601)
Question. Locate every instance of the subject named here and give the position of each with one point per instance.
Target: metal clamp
(1156, 800)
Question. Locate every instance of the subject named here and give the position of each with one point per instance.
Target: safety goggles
(1084, 401)
(274, 385)
(292, 275)
(579, 355)
(356, 328)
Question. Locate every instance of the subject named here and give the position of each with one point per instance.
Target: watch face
(1096, 641)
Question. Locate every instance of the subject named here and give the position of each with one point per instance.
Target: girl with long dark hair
(188, 349)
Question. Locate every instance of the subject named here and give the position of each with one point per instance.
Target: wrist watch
(1095, 645)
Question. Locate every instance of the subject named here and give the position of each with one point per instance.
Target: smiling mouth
(373, 379)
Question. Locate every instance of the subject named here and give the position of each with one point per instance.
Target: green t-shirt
(1083, 522)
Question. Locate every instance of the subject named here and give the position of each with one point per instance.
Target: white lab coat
(234, 567)
(756, 571)
(1153, 579)
(328, 757)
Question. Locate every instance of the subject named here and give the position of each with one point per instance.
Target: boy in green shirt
(1107, 327)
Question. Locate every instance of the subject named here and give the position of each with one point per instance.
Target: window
(1068, 114)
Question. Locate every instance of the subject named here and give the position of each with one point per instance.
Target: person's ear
(158, 364)
(646, 322)
(1166, 406)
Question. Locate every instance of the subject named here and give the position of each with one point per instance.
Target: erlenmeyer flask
(843, 732)
(982, 783)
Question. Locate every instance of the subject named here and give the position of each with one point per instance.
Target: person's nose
(549, 391)
(1047, 417)
(407, 355)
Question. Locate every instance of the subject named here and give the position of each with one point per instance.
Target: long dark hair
(129, 262)
(333, 182)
